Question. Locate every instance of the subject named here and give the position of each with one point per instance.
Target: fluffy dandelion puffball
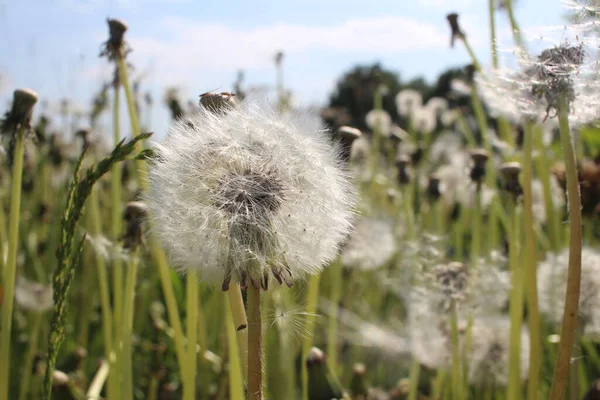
(248, 194)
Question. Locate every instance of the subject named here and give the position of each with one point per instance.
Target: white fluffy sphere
(249, 193)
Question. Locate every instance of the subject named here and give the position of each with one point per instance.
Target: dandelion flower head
(249, 194)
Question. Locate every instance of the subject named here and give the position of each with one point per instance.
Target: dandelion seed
(424, 120)
(249, 194)
(293, 322)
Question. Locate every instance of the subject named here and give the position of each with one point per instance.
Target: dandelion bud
(403, 164)
(479, 158)
(134, 216)
(358, 385)
(417, 155)
(74, 360)
(217, 102)
(457, 33)
(60, 379)
(84, 135)
(510, 172)
(433, 188)
(594, 392)
(22, 107)
(347, 135)
(322, 385)
(115, 46)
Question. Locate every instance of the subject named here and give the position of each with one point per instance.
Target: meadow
(400, 243)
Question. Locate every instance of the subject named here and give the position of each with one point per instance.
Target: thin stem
(516, 31)
(236, 380)
(544, 173)
(457, 390)
(516, 307)
(189, 384)
(311, 307)
(415, 370)
(107, 322)
(95, 388)
(332, 328)
(127, 332)
(10, 269)
(472, 54)
(569, 324)
(157, 253)
(492, 11)
(535, 349)
(254, 344)
(29, 357)
(238, 313)
(476, 240)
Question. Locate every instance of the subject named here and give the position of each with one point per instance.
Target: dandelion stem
(544, 174)
(311, 306)
(569, 324)
(415, 370)
(238, 313)
(95, 388)
(516, 31)
(29, 357)
(10, 269)
(535, 352)
(236, 380)
(117, 270)
(492, 11)
(189, 384)
(472, 54)
(457, 389)
(127, 329)
(254, 344)
(332, 329)
(155, 249)
(113, 379)
(516, 306)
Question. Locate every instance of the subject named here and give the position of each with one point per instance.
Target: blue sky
(52, 46)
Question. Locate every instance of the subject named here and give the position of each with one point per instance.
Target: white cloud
(191, 45)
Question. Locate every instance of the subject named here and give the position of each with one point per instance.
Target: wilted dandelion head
(217, 102)
(371, 244)
(249, 193)
(456, 32)
(115, 46)
(553, 74)
(489, 354)
(552, 278)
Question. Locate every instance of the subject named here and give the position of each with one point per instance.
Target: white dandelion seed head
(379, 120)
(489, 354)
(552, 280)
(424, 120)
(438, 105)
(448, 118)
(371, 244)
(407, 101)
(33, 296)
(460, 87)
(239, 194)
